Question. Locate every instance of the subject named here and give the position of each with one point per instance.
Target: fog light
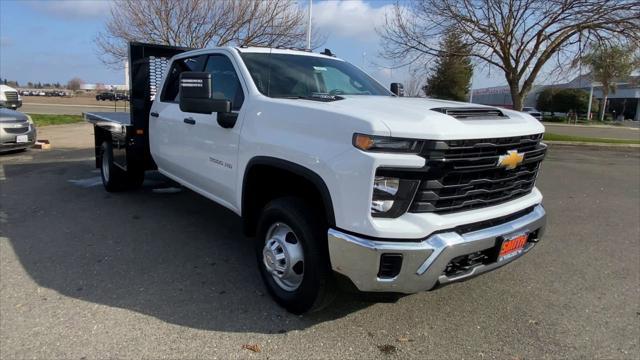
(391, 196)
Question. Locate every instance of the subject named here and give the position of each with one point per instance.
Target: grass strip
(47, 119)
(570, 138)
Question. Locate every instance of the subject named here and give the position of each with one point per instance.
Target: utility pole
(309, 25)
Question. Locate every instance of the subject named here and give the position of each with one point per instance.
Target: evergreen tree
(450, 78)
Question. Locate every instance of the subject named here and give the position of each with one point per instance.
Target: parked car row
(112, 96)
(44, 93)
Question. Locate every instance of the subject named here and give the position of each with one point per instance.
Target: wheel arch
(252, 203)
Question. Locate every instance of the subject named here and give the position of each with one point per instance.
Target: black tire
(317, 288)
(114, 178)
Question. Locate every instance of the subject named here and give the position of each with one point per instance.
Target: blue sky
(53, 41)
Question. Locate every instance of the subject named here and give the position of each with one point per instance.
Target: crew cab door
(213, 149)
(168, 134)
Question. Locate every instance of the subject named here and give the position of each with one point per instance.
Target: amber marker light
(363, 142)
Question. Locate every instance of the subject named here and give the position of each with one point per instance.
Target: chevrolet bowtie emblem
(511, 160)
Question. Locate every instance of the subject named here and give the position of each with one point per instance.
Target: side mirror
(196, 95)
(397, 88)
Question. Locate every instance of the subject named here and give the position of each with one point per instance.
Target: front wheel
(291, 249)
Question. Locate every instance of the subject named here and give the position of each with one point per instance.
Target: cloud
(73, 10)
(349, 18)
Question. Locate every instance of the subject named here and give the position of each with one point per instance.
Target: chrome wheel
(105, 164)
(283, 256)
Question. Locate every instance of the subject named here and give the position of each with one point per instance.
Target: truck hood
(414, 118)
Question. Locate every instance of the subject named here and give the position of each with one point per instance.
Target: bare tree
(202, 23)
(75, 84)
(414, 83)
(517, 36)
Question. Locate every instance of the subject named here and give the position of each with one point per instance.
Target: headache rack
(472, 113)
(128, 133)
(464, 174)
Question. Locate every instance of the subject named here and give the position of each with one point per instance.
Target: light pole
(309, 25)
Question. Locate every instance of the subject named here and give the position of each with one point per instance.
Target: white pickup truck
(338, 180)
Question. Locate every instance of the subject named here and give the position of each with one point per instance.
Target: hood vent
(472, 113)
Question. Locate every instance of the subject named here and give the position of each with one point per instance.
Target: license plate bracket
(512, 246)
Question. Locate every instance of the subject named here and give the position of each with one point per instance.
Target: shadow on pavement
(175, 256)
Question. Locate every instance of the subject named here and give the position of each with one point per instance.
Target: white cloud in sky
(73, 9)
(349, 18)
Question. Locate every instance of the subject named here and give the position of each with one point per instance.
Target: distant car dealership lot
(174, 278)
(70, 105)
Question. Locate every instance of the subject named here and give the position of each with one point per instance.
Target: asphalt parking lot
(87, 274)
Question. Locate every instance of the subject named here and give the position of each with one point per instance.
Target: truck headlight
(387, 144)
(392, 196)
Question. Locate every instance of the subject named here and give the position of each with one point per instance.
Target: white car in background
(533, 112)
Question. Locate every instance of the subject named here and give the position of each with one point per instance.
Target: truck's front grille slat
(464, 174)
(11, 95)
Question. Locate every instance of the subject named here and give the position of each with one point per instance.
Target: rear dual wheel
(115, 178)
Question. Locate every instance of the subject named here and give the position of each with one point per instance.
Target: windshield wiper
(316, 97)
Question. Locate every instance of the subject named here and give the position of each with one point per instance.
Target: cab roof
(258, 50)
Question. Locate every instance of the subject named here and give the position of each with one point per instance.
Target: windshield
(300, 76)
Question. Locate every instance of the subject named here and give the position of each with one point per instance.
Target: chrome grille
(464, 174)
(11, 95)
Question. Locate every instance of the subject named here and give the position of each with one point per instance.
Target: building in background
(625, 101)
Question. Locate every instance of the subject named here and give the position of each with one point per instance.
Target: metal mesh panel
(157, 67)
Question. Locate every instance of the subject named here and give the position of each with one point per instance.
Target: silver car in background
(17, 131)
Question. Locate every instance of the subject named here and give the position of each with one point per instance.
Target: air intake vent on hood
(472, 113)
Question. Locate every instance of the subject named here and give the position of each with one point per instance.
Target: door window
(224, 80)
(172, 84)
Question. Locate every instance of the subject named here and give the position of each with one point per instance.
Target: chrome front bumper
(424, 263)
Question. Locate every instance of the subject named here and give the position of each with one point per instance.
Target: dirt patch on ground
(69, 136)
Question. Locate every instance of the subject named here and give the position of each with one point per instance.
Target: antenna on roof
(328, 53)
